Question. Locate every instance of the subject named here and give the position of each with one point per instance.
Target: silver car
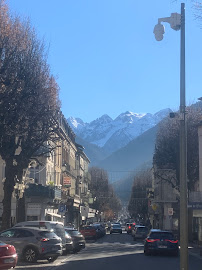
(33, 243)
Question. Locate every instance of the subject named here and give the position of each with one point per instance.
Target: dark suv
(77, 238)
(140, 232)
(129, 227)
(161, 242)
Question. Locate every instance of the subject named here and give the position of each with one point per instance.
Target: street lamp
(177, 22)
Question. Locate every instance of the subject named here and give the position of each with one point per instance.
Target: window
(161, 235)
(46, 234)
(23, 233)
(8, 233)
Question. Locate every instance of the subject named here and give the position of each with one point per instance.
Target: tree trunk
(21, 209)
(20, 203)
(8, 190)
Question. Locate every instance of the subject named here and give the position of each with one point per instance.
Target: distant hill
(133, 155)
(123, 187)
(94, 152)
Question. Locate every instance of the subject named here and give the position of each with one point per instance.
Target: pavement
(195, 250)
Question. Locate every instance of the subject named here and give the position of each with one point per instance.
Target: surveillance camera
(159, 30)
(175, 21)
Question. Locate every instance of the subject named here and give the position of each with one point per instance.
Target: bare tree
(105, 198)
(166, 155)
(28, 100)
(138, 204)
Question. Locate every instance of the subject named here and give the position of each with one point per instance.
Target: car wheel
(30, 254)
(52, 259)
(146, 252)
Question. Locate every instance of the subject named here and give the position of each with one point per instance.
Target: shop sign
(90, 201)
(67, 181)
(195, 205)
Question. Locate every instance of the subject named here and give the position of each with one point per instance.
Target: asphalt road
(114, 252)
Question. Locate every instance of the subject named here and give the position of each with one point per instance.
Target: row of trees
(166, 159)
(105, 199)
(29, 101)
(166, 155)
(138, 203)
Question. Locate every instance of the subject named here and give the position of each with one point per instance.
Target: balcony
(44, 192)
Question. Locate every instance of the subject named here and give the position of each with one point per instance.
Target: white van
(57, 227)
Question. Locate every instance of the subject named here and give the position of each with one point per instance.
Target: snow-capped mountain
(112, 134)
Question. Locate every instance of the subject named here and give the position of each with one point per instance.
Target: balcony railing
(47, 192)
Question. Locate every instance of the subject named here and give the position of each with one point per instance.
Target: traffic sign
(170, 211)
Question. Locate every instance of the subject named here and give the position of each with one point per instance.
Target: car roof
(31, 228)
(38, 222)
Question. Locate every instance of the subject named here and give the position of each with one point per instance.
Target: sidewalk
(195, 250)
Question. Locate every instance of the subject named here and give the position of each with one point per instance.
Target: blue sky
(106, 58)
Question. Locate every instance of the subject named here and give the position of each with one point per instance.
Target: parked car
(140, 232)
(89, 232)
(8, 256)
(100, 230)
(115, 228)
(161, 242)
(57, 227)
(78, 240)
(69, 242)
(33, 243)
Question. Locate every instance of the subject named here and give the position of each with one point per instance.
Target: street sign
(62, 208)
(170, 211)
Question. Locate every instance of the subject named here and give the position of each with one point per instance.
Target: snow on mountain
(113, 134)
(76, 123)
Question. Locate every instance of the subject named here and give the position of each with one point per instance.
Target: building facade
(55, 185)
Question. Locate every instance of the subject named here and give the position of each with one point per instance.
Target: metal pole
(183, 154)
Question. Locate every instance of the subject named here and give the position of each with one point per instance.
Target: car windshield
(116, 226)
(87, 228)
(142, 229)
(73, 232)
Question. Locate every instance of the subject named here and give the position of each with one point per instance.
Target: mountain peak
(75, 123)
(129, 117)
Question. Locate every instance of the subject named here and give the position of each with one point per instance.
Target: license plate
(54, 248)
(11, 260)
(162, 246)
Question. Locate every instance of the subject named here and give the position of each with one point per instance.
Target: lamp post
(177, 22)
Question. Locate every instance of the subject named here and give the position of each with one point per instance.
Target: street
(113, 252)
